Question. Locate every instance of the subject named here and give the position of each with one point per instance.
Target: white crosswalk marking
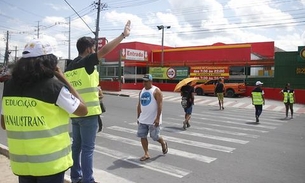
(172, 151)
(103, 176)
(181, 141)
(152, 165)
(222, 126)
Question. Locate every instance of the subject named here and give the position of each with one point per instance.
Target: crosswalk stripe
(212, 118)
(236, 123)
(152, 165)
(278, 108)
(202, 102)
(175, 99)
(229, 103)
(238, 104)
(209, 129)
(249, 117)
(172, 151)
(223, 126)
(179, 140)
(103, 176)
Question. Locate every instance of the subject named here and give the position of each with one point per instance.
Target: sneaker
(257, 120)
(223, 108)
(184, 125)
(291, 117)
(188, 125)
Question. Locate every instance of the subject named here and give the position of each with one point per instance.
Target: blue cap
(147, 77)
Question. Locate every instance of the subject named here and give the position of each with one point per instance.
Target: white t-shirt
(149, 108)
(67, 101)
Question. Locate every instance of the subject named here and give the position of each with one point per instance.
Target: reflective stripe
(41, 158)
(26, 135)
(87, 90)
(92, 103)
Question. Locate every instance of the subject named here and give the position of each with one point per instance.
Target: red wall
(213, 53)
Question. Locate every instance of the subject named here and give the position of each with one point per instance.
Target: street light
(162, 27)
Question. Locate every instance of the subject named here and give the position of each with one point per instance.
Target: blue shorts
(188, 110)
(154, 132)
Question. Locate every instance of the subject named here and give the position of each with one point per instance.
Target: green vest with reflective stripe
(86, 86)
(38, 139)
(288, 96)
(257, 98)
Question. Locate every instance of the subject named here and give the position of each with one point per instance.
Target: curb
(116, 94)
(5, 152)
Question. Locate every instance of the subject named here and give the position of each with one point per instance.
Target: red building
(232, 61)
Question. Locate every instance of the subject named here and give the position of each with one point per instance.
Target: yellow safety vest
(257, 98)
(290, 96)
(86, 85)
(38, 139)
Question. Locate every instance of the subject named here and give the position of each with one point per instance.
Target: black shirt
(88, 62)
(219, 88)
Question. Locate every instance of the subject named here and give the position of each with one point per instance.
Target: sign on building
(131, 54)
(209, 72)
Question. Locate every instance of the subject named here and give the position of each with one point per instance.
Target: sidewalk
(7, 175)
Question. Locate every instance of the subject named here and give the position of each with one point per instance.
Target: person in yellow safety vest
(83, 75)
(35, 115)
(258, 100)
(288, 99)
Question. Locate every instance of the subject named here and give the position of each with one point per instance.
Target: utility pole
(97, 28)
(69, 49)
(38, 31)
(6, 54)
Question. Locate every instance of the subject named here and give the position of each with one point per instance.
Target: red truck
(231, 88)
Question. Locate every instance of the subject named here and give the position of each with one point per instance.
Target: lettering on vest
(76, 83)
(71, 73)
(24, 121)
(20, 103)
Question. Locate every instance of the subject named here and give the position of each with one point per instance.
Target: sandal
(165, 150)
(144, 158)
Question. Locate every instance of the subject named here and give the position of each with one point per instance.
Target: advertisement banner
(209, 72)
(175, 73)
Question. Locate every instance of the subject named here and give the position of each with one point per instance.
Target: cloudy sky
(193, 22)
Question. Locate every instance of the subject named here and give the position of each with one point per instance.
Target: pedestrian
(187, 93)
(219, 91)
(288, 99)
(149, 111)
(83, 75)
(35, 114)
(258, 99)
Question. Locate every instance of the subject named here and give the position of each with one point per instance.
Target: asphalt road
(220, 146)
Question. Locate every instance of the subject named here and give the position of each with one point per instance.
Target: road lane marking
(172, 151)
(180, 140)
(103, 176)
(222, 126)
(152, 165)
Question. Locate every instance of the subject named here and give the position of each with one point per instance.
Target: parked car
(231, 88)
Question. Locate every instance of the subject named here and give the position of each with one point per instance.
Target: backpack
(184, 102)
(186, 94)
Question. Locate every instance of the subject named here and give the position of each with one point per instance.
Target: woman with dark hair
(35, 114)
(288, 99)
